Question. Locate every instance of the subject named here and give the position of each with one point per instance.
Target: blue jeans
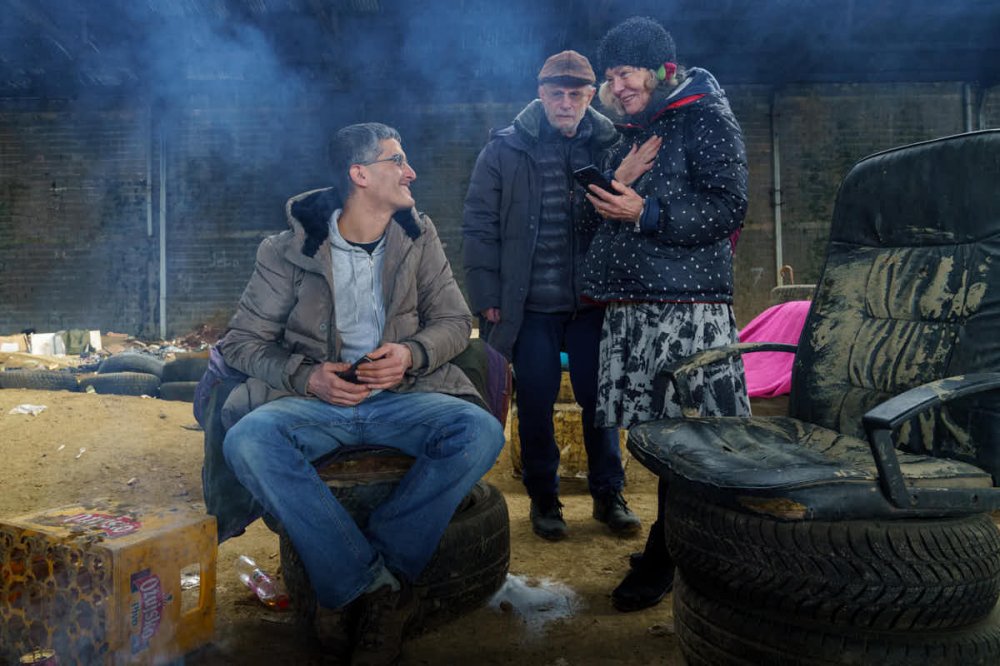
(272, 450)
(538, 372)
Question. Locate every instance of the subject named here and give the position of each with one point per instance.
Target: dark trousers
(537, 373)
(656, 551)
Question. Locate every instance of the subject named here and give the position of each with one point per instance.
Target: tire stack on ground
(756, 590)
(180, 376)
(468, 567)
(45, 380)
(128, 373)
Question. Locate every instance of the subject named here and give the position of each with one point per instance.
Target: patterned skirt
(638, 339)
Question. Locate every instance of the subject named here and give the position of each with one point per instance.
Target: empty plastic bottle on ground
(263, 585)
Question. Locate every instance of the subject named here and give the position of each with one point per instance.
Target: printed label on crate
(147, 605)
(112, 526)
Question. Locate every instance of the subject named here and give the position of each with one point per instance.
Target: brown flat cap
(568, 67)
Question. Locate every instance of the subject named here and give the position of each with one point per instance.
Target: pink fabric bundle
(769, 374)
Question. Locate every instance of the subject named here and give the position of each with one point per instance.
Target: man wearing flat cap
(523, 253)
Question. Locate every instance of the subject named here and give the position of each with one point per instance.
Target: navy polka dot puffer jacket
(696, 198)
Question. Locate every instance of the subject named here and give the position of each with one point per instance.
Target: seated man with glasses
(360, 273)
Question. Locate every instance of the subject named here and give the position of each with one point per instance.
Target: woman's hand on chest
(638, 160)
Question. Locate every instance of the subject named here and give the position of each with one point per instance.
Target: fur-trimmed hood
(527, 127)
(309, 213)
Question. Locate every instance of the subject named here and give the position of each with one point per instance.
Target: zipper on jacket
(389, 286)
(572, 230)
(374, 298)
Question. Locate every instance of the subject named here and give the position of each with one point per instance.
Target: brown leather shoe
(383, 616)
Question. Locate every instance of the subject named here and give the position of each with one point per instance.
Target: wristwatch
(642, 214)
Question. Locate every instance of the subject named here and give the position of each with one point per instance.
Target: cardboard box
(55, 344)
(13, 343)
(46, 344)
(114, 342)
(101, 583)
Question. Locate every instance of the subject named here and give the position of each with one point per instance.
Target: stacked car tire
(127, 373)
(130, 373)
(753, 589)
(180, 376)
(469, 565)
(44, 380)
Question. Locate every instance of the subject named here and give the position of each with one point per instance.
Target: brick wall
(753, 265)
(80, 190)
(991, 108)
(824, 130)
(74, 247)
(229, 171)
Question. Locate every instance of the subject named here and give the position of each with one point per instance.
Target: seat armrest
(897, 410)
(678, 373)
(882, 421)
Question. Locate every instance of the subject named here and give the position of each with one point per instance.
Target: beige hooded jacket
(285, 323)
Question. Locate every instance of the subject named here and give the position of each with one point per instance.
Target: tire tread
(912, 574)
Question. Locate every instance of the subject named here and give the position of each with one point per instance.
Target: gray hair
(650, 83)
(356, 144)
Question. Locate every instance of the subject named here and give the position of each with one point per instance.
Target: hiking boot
(610, 508)
(547, 519)
(382, 619)
(644, 585)
(334, 629)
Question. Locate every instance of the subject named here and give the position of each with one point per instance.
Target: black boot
(383, 617)
(651, 576)
(334, 630)
(643, 587)
(611, 509)
(547, 519)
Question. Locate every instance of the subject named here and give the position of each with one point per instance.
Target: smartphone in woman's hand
(591, 175)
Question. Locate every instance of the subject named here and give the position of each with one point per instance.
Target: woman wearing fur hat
(662, 254)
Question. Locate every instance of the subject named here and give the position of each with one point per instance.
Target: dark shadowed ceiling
(64, 48)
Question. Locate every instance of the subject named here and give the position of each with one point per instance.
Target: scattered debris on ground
(200, 339)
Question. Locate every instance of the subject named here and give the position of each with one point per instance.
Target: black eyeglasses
(396, 159)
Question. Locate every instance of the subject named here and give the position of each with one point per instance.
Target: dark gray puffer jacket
(696, 198)
(501, 218)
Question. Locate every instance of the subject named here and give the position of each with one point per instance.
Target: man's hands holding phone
(336, 384)
(351, 374)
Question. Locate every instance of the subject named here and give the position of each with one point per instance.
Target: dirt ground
(148, 451)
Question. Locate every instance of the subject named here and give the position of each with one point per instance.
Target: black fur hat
(639, 42)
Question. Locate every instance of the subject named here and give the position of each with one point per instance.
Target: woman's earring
(666, 71)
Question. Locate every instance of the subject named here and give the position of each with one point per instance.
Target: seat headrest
(935, 192)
